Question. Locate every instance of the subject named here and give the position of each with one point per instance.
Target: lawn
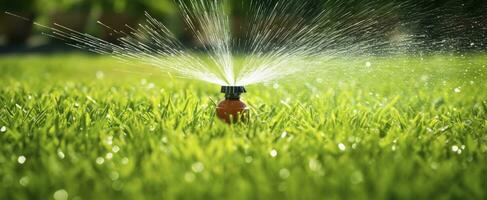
(77, 126)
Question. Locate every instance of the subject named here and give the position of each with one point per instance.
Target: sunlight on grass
(383, 128)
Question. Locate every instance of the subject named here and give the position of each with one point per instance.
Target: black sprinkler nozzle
(233, 92)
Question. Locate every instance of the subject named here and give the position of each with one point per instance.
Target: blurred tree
(70, 13)
(16, 30)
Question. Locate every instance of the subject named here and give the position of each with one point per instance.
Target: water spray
(232, 110)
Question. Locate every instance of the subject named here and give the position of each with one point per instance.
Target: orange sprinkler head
(232, 110)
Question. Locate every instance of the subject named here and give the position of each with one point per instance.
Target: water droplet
(342, 147)
(189, 177)
(457, 90)
(100, 160)
(314, 165)
(393, 147)
(60, 154)
(248, 159)
(151, 86)
(284, 173)
(60, 195)
(454, 148)
(109, 140)
(198, 167)
(368, 64)
(21, 160)
(115, 149)
(275, 86)
(3, 129)
(117, 185)
(100, 75)
(273, 153)
(125, 161)
(24, 181)
(443, 129)
(114, 176)
(284, 134)
(143, 82)
(109, 156)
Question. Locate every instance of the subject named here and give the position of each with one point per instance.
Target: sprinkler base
(232, 111)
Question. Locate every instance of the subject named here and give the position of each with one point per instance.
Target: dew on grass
(3, 129)
(165, 140)
(393, 148)
(152, 128)
(114, 176)
(117, 185)
(198, 167)
(100, 75)
(443, 129)
(109, 156)
(60, 154)
(125, 160)
(60, 195)
(24, 181)
(21, 159)
(248, 159)
(314, 165)
(368, 64)
(342, 147)
(100, 160)
(284, 173)
(109, 140)
(454, 148)
(189, 177)
(457, 90)
(115, 149)
(283, 134)
(273, 153)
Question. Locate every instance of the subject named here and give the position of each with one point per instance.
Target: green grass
(386, 132)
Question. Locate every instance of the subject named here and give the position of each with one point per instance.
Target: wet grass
(403, 128)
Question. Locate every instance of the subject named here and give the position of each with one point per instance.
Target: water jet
(232, 110)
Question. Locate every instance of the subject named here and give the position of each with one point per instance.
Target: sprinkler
(232, 110)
